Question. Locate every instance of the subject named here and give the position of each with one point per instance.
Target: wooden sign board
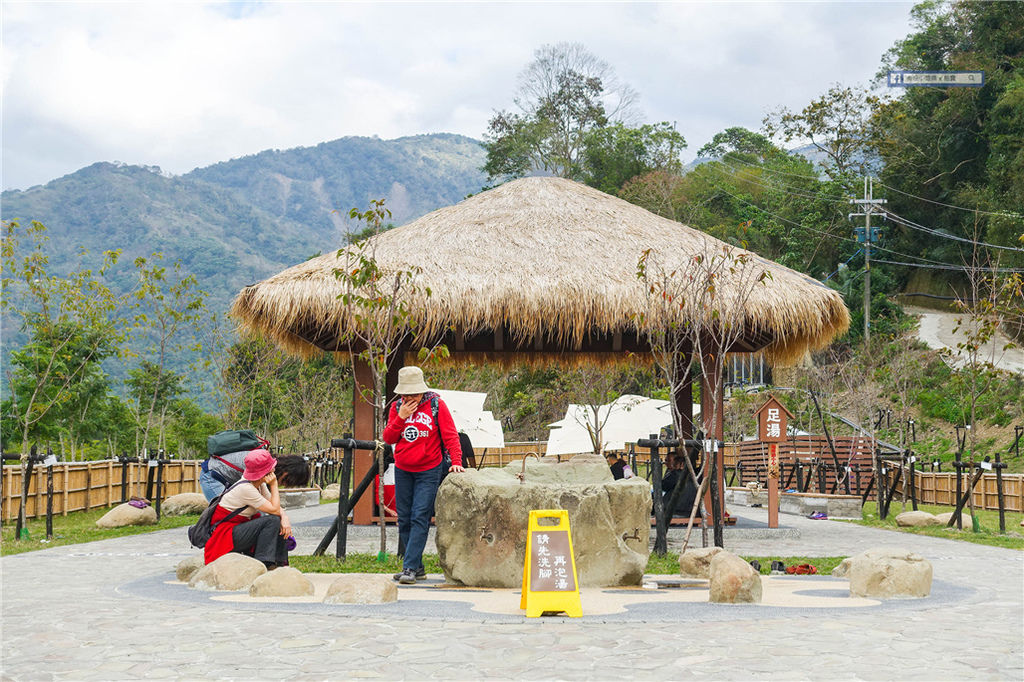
(549, 576)
(772, 420)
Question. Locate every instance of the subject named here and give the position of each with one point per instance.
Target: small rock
(331, 492)
(733, 580)
(184, 503)
(187, 567)
(696, 562)
(127, 515)
(916, 519)
(362, 588)
(1022, 523)
(888, 572)
(843, 569)
(965, 519)
(281, 582)
(232, 571)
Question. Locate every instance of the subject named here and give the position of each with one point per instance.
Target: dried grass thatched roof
(536, 255)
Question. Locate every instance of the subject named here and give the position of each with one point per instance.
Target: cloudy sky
(185, 84)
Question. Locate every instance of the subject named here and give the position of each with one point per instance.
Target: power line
(826, 197)
(857, 253)
(1005, 214)
(828, 234)
(949, 267)
(937, 233)
(773, 170)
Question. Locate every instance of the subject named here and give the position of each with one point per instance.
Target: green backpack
(226, 442)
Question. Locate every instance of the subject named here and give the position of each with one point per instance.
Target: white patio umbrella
(467, 408)
(629, 418)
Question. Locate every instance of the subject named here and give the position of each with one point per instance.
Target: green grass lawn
(988, 519)
(666, 565)
(78, 527)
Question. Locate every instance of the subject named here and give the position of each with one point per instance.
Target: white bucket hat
(410, 381)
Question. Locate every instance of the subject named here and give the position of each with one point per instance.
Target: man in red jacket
(417, 426)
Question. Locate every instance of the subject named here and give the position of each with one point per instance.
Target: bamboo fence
(80, 486)
(940, 488)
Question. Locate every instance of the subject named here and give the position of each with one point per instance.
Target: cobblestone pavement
(67, 615)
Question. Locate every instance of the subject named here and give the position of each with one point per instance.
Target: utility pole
(867, 235)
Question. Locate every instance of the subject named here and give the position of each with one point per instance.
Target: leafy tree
(689, 317)
(377, 305)
(738, 140)
(171, 306)
(188, 427)
(254, 388)
(615, 153)
(71, 326)
(574, 120)
(551, 137)
(157, 388)
(837, 123)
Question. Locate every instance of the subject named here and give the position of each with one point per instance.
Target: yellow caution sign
(549, 576)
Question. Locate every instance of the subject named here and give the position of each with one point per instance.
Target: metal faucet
(522, 474)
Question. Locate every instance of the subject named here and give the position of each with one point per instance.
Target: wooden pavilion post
(363, 418)
(712, 403)
(684, 400)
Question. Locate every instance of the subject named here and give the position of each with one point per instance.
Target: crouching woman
(249, 519)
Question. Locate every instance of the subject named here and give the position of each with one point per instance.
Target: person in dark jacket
(676, 475)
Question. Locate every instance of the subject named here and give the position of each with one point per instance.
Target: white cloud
(181, 85)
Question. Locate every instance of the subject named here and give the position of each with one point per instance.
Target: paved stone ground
(77, 613)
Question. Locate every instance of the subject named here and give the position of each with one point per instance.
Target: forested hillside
(233, 223)
(238, 221)
(415, 175)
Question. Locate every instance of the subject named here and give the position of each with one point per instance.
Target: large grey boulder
(127, 515)
(284, 581)
(362, 588)
(184, 503)
(232, 571)
(186, 568)
(482, 519)
(695, 562)
(916, 519)
(965, 519)
(889, 572)
(733, 580)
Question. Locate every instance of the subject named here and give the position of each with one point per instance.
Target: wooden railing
(79, 486)
(940, 488)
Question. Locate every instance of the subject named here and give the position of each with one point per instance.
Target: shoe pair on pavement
(802, 569)
(409, 576)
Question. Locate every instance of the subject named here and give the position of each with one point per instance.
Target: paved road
(76, 613)
(937, 329)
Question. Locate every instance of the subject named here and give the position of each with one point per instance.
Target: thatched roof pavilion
(537, 266)
(542, 269)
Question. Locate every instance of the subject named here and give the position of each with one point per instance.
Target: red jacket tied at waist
(222, 542)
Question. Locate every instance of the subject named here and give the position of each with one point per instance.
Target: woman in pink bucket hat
(249, 519)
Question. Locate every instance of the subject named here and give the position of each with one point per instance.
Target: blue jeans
(210, 486)
(414, 498)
